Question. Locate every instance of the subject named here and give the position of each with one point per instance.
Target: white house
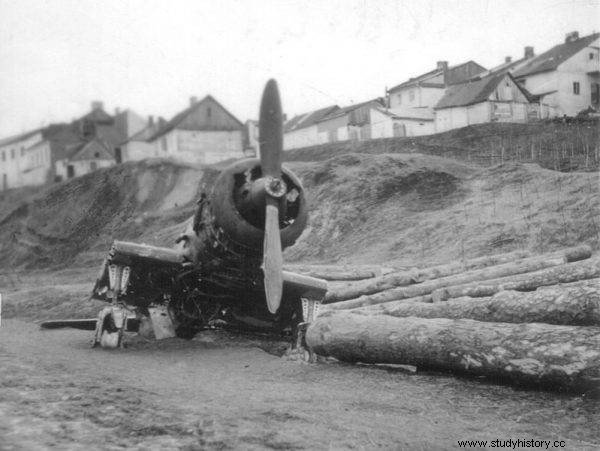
(493, 98)
(402, 122)
(566, 78)
(203, 133)
(14, 158)
(302, 130)
(137, 146)
(425, 90)
(37, 164)
(349, 123)
(83, 158)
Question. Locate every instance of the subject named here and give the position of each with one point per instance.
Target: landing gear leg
(310, 311)
(112, 319)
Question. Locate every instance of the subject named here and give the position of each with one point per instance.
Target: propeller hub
(275, 187)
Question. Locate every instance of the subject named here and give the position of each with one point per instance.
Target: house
(203, 133)
(386, 123)
(83, 158)
(427, 89)
(31, 158)
(15, 154)
(251, 145)
(137, 146)
(566, 78)
(349, 123)
(114, 130)
(496, 97)
(302, 130)
(36, 168)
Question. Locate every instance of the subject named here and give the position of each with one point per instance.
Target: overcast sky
(56, 56)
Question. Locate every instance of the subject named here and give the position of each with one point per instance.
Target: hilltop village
(563, 81)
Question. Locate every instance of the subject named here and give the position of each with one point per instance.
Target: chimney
(528, 52)
(117, 111)
(507, 59)
(150, 121)
(572, 36)
(443, 66)
(193, 100)
(97, 105)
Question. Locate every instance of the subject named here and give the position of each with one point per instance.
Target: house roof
(474, 91)
(148, 131)
(96, 149)
(348, 109)
(19, 137)
(181, 116)
(422, 79)
(554, 57)
(308, 119)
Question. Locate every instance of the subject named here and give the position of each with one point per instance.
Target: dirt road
(210, 393)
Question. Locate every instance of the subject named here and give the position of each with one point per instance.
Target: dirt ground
(215, 393)
(222, 392)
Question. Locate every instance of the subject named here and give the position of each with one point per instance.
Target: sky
(57, 56)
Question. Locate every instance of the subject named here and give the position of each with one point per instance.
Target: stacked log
(339, 273)
(530, 353)
(486, 282)
(523, 282)
(576, 303)
(528, 320)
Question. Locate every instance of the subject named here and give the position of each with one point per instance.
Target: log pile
(514, 317)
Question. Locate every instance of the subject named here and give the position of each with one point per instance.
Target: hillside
(558, 146)
(408, 209)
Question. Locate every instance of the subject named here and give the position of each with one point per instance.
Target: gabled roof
(474, 91)
(308, 119)
(554, 57)
(96, 149)
(378, 102)
(181, 116)
(147, 132)
(423, 78)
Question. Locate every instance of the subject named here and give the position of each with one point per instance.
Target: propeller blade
(271, 131)
(271, 146)
(272, 258)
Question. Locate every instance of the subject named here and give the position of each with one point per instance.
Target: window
(595, 93)
(591, 56)
(576, 87)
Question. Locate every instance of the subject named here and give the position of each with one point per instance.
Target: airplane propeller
(271, 146)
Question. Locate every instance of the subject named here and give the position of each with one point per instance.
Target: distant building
(203, 133)
(349, 123)
(83, 158)
(493, 98)
(401, 122)
(566, 78)
(22, 158)
(251, 145)
(137, 147)
(425, 90)
(43, 155)
(302, 130)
